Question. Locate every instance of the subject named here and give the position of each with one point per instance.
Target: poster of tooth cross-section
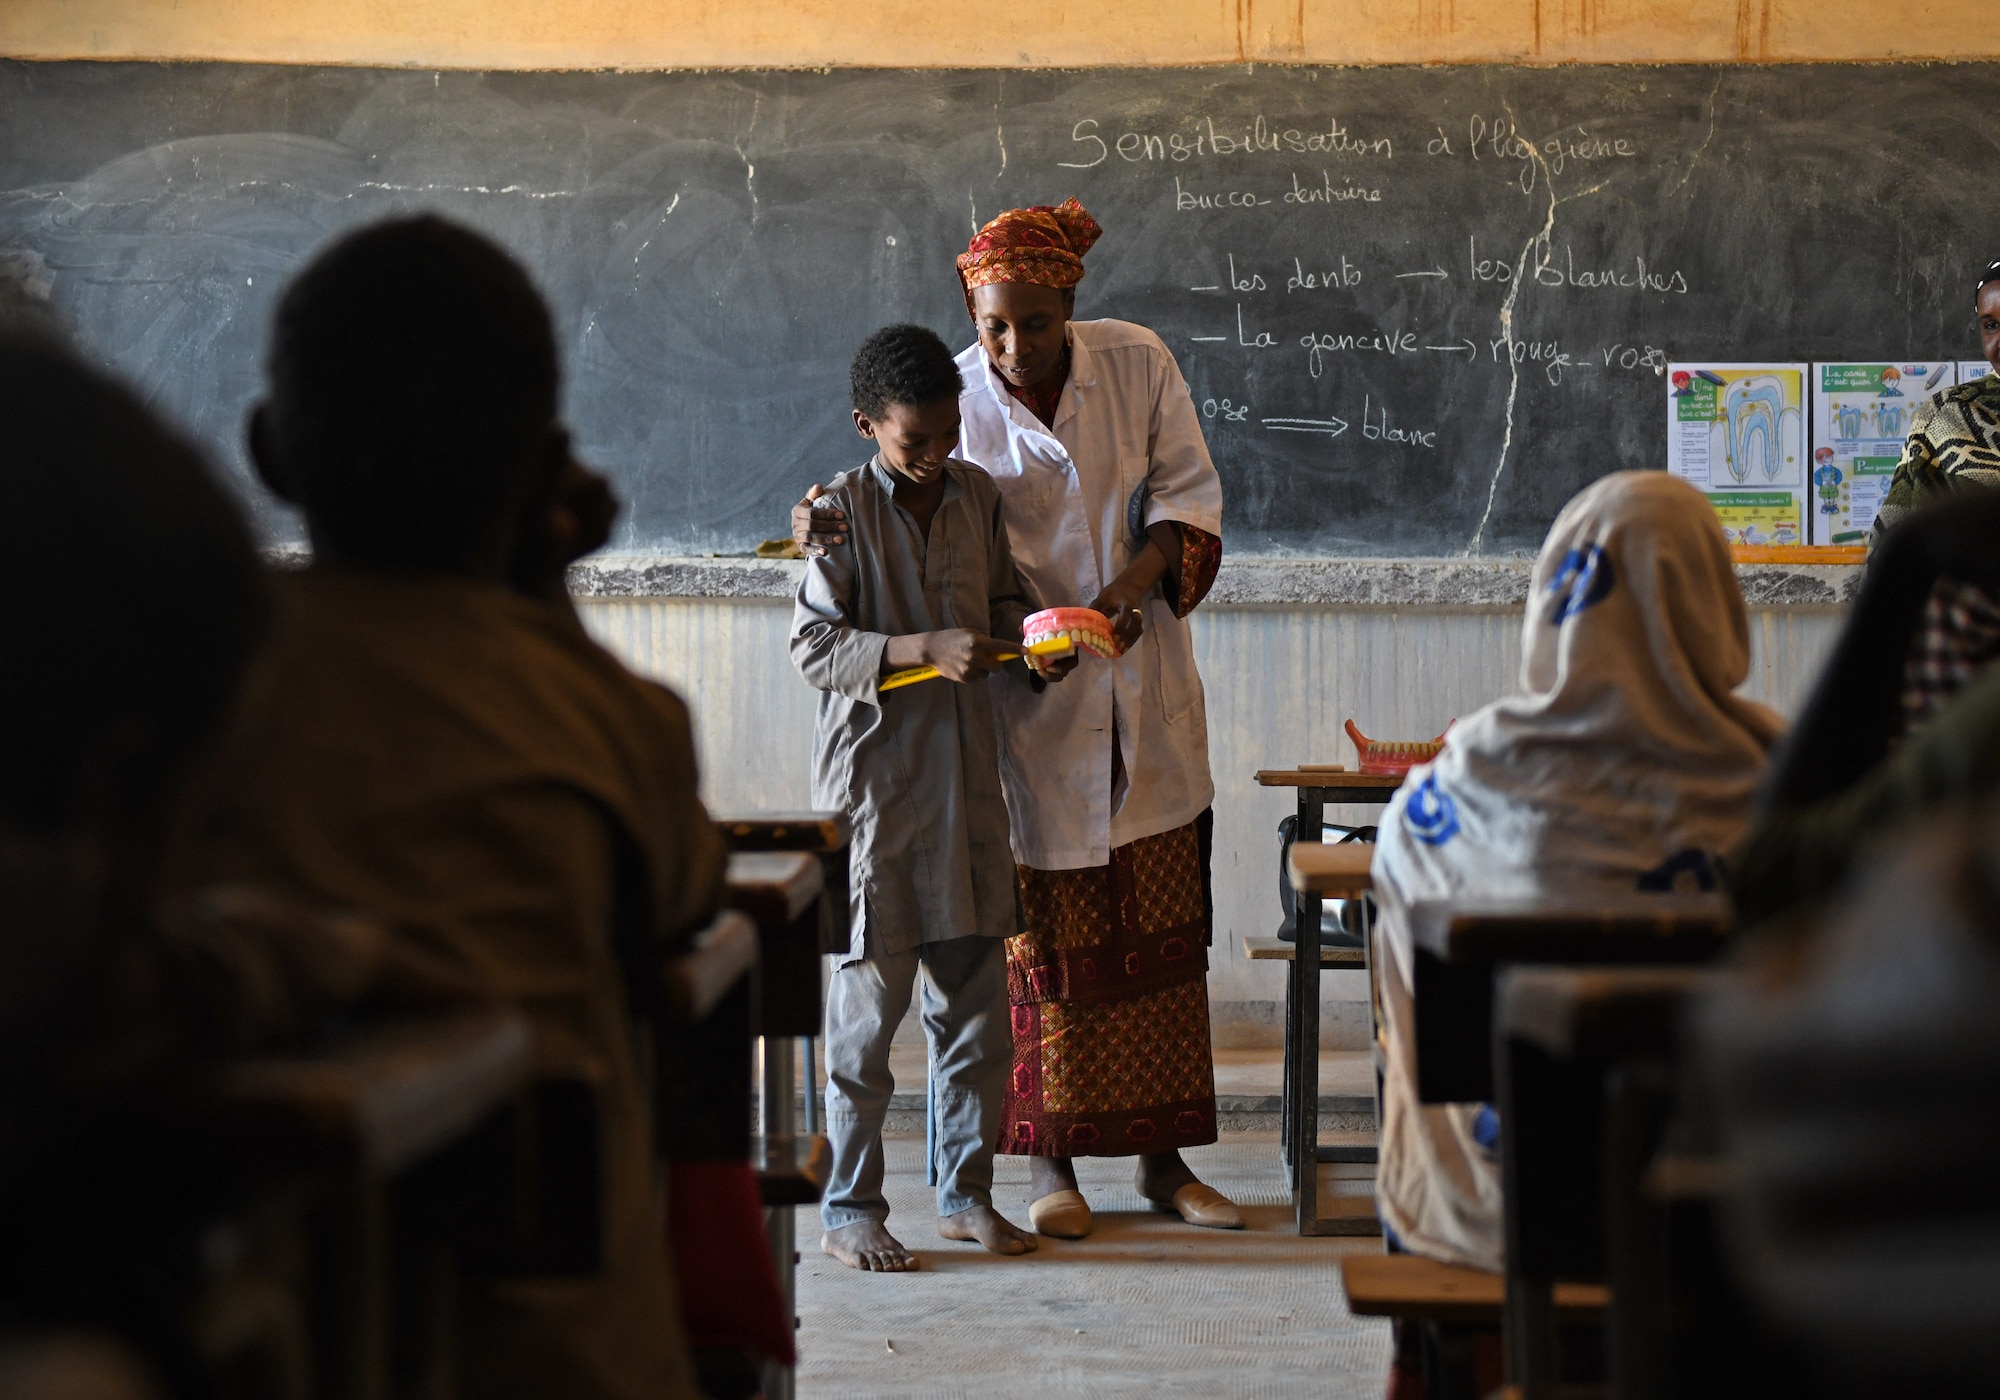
(1738, 432)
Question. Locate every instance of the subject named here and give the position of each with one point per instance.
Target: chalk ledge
(1372, 583)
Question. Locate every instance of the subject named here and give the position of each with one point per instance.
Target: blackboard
(1418, 307)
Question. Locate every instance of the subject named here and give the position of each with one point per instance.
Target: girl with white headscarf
(1628, 762)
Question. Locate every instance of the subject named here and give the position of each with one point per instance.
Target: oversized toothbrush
(1049, 633)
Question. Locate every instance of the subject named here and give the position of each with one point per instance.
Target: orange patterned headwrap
(1043, 245)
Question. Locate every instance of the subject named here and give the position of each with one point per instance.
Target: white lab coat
(1126, 450)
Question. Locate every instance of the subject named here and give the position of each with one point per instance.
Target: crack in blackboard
(1507, 338)
(454, 189)
(1714, 94)
(999, 130)
(1545, 241)
(661, 223)
(750, 166)
(750, 184)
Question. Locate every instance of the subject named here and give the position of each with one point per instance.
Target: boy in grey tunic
(925, 578)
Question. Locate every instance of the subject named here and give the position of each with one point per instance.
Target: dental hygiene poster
(1738, 432)
(1861, 414)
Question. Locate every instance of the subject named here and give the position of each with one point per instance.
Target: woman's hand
(1123, 597)
(817, 528)
(1121, 602)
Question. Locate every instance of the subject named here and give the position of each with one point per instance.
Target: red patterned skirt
(1108, 987)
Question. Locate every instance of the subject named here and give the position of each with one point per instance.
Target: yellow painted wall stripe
(646, 34)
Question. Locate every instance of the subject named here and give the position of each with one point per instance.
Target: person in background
(1954, 442)
(131, 603)
(1111, 502)
(1627, 762)
(926, 579)
(1845, 1070)
(1851, 776)
(432, 736)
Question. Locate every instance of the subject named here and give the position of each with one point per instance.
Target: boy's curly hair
(902, 364)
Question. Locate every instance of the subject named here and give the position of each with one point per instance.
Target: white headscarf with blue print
(1627, 762)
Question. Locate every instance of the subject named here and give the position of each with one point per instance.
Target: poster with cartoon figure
(1738, 432)
(1861, 413)
(1970, 370)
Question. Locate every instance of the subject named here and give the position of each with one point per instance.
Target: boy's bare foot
(867, 1245)
(986, 1226)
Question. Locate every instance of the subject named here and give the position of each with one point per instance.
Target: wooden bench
(1452, 1306)
(1284, 950)
(1423, 1290)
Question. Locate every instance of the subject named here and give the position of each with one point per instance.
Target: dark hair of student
(902, 364)
(131, 598)
(412, 369)
(1992, 274)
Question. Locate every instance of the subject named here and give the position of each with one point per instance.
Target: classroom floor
(1147, 1306)
(1247, 1082)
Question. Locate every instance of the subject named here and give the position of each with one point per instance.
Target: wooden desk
(1298, 1138)
(782, 891)
(388, 1098)
(1584, 1071)
(1460, 944)
(360, 1116)
(822, 834)
(1349, 785)
(785, 831)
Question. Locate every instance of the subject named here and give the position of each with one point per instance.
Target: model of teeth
(1084, 628)
(1388, 756)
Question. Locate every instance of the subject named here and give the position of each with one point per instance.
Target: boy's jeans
(965, 1020)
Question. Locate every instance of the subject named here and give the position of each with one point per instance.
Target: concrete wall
(921, 33)
(1280, 680)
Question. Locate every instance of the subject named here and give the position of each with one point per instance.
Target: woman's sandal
(1062, 1215)
(1205, 1206)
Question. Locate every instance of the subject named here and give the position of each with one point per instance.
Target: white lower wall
(1280, 681)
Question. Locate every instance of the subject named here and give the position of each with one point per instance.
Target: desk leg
(1305, 1068)
(779, 1221)
(357, 1360)
(1287, 1117)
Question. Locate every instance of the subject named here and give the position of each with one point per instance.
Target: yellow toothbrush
(1053, 646)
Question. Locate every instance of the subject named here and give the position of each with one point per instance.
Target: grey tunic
(917, 770)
